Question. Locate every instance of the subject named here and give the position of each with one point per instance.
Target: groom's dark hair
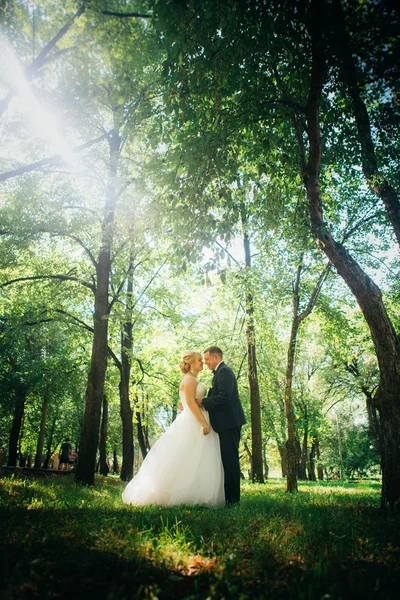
(213, 350)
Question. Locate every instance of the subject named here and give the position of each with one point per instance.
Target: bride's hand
(206, 429)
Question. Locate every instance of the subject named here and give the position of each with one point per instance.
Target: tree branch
(315, 293)
(79, 321)
(59, 277)
(52, 160)
(110, 13)
(78, 241)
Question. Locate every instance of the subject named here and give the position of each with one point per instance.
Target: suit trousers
(229, 443)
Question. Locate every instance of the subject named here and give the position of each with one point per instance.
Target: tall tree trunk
(255, 406)
(366, 292)
(40, 444)
(103, 466)
(311, 462)
(20, 398)
(320, 472)
(141, 435)
(95, 388)
(115, 460)
(340, 445)
(126, 411)
(50, 444)
(297, 319)
(265, 462)
(304, 453)
(283, 454)
(248, 452)
(291, 447)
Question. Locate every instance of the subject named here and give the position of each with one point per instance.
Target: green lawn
(61, 540)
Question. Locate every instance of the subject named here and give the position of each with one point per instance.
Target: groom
(226, 417)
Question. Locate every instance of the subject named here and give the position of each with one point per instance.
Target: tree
(254, 92)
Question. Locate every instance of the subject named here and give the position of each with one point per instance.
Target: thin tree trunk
(255, 406)
(141, 435)
(50, 444)
(297, 319)
(311, 462)
(320, 472)
(291, 447)
(366, 292)
(95, 388)
(103, 466)
(265, 462)
(248, 452)
(115, 460)
(40, 444)
(340, 446)
(20, 398)
(126, 411)
(303, 457)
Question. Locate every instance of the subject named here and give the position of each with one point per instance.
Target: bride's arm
(189, 389)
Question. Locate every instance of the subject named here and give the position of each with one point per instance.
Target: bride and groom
(196, 461)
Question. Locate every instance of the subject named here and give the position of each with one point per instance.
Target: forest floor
(61, 540)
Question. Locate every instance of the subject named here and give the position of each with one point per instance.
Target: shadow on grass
(315, 545)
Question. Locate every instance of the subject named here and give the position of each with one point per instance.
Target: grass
(62, 540)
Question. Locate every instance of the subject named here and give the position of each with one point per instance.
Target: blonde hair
(188, 359)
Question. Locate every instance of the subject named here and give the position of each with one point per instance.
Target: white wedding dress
(183, 467)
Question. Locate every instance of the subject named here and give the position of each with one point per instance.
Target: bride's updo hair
(188, 359)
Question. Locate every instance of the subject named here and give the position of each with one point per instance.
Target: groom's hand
(199, 402)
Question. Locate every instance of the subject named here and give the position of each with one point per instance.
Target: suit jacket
(223, 402)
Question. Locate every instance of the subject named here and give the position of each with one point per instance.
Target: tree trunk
(320, 472)
(366, 292)
(141, 434)
(298, 317)
(20, 398)
(103, 464)
(95, 388)
(115, 460)
(126, 411)
(265, 462)
(248, 452)
(40, 444)
(311, 462)
(291, 447)
(303, 457)
(283, 454)
(255, 406)
(50, 444)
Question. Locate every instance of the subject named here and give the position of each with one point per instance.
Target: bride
(184, 466)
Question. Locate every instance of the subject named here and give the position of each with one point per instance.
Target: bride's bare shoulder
(188, 381)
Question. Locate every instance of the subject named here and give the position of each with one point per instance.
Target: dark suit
(227, 418)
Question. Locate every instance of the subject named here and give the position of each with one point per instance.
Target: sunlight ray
(43, 122)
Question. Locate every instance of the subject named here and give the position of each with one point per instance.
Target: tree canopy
(179, 174)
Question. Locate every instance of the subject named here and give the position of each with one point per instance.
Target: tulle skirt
(183, 467)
